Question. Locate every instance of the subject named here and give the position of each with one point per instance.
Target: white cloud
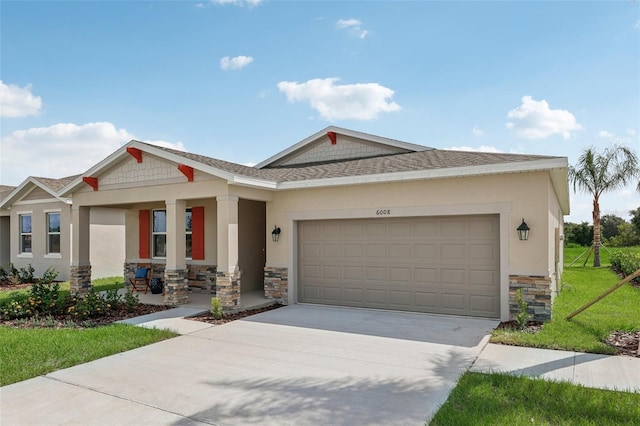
(18, 101)
(248, 3)
(632, 132)
(235, 63)
(362, 101)
(482, 148)
(353, 27)
(476, 131)
(637, 25)
(178, 146)
(60, 150)
(605, 134)
(535, 120)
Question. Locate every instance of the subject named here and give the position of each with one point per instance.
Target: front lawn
(27, 353)
(99, 284)
(587, 331)
(500, 399)
(30, 352)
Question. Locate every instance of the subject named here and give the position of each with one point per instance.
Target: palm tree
(596, 173)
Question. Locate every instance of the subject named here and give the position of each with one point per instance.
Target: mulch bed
(208, 318)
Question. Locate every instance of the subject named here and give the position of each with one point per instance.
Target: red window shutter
(197, 233)
(144, 234)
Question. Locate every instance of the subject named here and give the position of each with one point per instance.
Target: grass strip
(499, 399)
(27, 353)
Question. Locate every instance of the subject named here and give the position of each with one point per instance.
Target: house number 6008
(383, 212)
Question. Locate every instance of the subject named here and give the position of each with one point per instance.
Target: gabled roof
(322, 134)
(49, 185)
(413, 162)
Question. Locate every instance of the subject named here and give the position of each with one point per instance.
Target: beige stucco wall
(107, 242)
(513, 197)
(5, 246)
(39, 258)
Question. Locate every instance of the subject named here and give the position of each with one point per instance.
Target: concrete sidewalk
(590, 370)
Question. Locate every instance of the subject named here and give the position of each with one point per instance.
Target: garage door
(445, 265)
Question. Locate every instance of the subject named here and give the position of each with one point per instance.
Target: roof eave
(467, 171)
(20, 189)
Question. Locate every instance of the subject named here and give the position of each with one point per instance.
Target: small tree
(596, 174)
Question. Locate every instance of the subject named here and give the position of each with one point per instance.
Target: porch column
(228, 274)
(175, 273)
(80, 270)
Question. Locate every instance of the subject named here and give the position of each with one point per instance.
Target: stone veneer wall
(276, 284)
(228, 290)
(202, 278)
(536, 291)
(176, 287)
(80, 279)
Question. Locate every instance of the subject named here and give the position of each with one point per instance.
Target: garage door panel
(376, 297)
(376, 251)
(402, 275)
(374, 273)
(353, 272)
(457, 252)
(332, 272)
(353, 295)
(446, 265)
(400, 251)
(401, 299)
(425, 252)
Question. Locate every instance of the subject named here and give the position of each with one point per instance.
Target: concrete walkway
(297, 365)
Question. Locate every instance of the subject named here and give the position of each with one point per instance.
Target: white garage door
(445, 265)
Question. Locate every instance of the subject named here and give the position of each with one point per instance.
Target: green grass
(587, 331)
(100, 284)
(27, 353)
(499, 399)
(572, 253)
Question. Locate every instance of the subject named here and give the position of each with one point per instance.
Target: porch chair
(141, 279)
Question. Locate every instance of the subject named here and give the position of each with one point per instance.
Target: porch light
(275, 234)
(523, 231)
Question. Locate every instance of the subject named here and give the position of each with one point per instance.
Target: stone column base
(228, 289)
(276, 284)
(536, 291)
(175, 287)
(80, 280)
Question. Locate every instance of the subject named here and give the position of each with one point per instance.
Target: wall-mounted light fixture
(523, 231)
(275, 234)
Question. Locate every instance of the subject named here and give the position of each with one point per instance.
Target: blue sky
(242, 80)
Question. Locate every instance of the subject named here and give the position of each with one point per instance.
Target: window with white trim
(187, 231)
(24, 223)
(53, 233)
(159, 233)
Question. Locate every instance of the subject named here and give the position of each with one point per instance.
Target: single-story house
(36, 229)
(341, 218)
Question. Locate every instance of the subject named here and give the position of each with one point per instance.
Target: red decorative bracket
(332, 136)
(135, 153)
(91, 181)
(187, 171)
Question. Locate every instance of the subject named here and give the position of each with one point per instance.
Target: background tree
(609, 225)
(596, 173)
(578, 233)
(635, 219)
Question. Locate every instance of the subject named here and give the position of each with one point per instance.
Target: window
(187, 230)
(53, 233)
(159, 233)
(25, 233)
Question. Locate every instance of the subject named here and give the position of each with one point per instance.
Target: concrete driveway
(297, 365)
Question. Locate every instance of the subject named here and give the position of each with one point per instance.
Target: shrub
(112, 298)
(23, 275)
(48, 276)
(625, 262)
(5, 276)
(45, 298)
(17, 306)
(522, 316)
(91, 305)
(131, 300)
(216, 308)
